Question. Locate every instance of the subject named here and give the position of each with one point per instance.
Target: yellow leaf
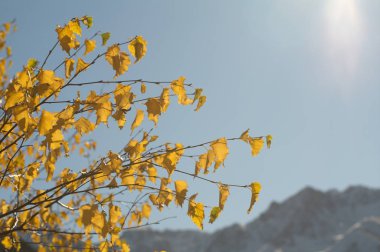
(201, 102)
(83, 125)
(117, 59)
(48, 83)
(119, 116)
(13, 97)
(125, 247)
(87, 21)
(123, 96)
(138, 119)
(196, 212)
(67, 38)
(105, 36)
(69, 67)
(255, 188)
(7, 242)
(143, 88)
(179, 89)
(114, 214)
(269, 141)
(90, 46)
(102, 105)
(180, 191)
(165, 99)
(146, 210)
(137, 47)
(81, 66)
(197, 94)
(244, 136)
(47, 122)
(220, 149)
(55, 139)
(41, 248)
(153, 106)
(223, 195)
(152, 173)
(23, 118)
(74, 26)
(32, 63)
(214, 214)
(256, 145)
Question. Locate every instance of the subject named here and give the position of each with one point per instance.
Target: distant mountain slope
(311, 220)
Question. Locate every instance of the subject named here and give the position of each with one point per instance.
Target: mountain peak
(310, 220)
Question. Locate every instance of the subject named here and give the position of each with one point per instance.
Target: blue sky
(304, 71)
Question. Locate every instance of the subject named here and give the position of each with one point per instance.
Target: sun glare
(344, 32)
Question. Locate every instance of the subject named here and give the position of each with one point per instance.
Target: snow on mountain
(311, 220)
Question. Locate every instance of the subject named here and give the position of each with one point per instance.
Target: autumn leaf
(256, 145)
(220, 149)
(178, 87)
(201, 101)
(244, 136)
(83, 125)
(138, 119)
(197, 94)
(69, 67)
(224, 192)
(143, 88)
(137, 47)
(7, 242)
(117, 59)
(255, 188)
(105, 36)
(164, 99)
(123, 96)
(81, 66)
(90, 46)
(214, 214)
(196, 212)
(87, 21)
(153, 107)
(181, 191)
(47, 122)
(269, 141)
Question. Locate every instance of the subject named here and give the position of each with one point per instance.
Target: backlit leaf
(138, 119)
(105, 36)
(196, 212)
(153, 106)
(201, 102)
(181, 191)
(117, 59)
(69, 67)
(224, 192)
(220, 149)
(268, 140)
(256, 145)
(255, 188)
(137, 47)
(90, 46)
(81, 66)
(214, 214)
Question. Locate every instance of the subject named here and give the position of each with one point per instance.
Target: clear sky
(306, 72)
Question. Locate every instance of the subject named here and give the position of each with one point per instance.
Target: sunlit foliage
(79, 209)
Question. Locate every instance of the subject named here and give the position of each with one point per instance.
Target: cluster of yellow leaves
(47, 135)
(67, 35)
(216, 154)
(256, 143)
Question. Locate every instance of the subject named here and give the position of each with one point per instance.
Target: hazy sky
(306, 72)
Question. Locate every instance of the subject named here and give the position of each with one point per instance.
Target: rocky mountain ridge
(311, 220)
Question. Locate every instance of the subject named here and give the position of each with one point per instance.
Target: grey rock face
(311, 220)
